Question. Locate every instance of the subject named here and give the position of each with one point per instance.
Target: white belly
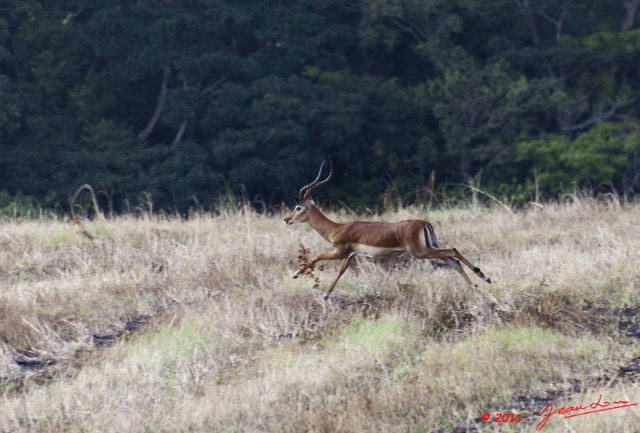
(375, 252)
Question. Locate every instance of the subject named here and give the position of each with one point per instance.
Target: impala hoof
(296, 275)
(488, 280)
(326, 296)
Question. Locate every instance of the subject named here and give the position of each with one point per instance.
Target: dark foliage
(186, 101)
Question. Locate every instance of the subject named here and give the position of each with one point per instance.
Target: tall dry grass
(161, 324)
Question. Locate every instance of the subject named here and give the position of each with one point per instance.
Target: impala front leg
(343, 267)
(332, 255)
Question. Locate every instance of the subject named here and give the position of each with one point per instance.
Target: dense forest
(182, 102)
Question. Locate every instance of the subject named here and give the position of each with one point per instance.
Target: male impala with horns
(370, 239)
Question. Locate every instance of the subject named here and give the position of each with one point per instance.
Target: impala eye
(298, 208)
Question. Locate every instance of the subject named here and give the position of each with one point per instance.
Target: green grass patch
(503, 362)
(375, 337)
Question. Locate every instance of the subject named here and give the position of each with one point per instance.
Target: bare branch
(525, 11)
(599, 115)
(630, 9)
(159, 105)
(210, 88)
(181, 131)
(557, 23)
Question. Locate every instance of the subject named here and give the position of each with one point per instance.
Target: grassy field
(157, 324)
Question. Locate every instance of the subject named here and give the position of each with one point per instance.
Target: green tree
(184, 99)
(605, 157)
(475, 106)
(281, 130)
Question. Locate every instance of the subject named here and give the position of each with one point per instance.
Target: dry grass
(160, 324)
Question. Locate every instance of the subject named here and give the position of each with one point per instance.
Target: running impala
(370, 239)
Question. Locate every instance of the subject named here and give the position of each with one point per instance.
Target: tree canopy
(185, 100)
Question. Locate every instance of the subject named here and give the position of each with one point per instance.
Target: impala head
(304, 202)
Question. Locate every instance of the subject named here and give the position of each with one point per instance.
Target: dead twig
(307, 267)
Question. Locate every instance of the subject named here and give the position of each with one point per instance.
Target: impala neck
(320, 223)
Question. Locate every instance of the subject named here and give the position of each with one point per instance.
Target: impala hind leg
(456, 265)
(449, 255)
(452, 254)
(475, 269)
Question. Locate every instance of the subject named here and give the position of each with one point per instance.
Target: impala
(370, 239)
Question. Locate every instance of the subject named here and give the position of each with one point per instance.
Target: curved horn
(306, 190)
